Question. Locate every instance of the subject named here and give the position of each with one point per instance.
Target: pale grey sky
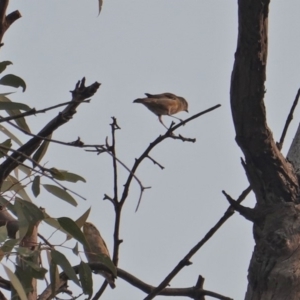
(133, 47)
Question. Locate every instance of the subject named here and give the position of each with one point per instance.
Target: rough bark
(275, 265)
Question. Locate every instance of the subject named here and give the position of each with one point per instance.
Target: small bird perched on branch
(96, 249)
(164, 104)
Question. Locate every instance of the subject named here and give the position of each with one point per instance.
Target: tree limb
(191, 292)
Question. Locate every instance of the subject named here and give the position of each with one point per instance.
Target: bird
(164, 104)
(96, 246)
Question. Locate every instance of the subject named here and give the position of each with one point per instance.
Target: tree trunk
(274, 271)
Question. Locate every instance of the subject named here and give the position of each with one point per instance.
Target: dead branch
(186, 260)
(34, 112)
(6, 20)
(288, 121)
(79, 94)
(191, 292)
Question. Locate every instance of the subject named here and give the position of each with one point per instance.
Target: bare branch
(79, 94)
(33, 111)
(119, 204)
(6, 21)
(155, 162)
(186, 260)
(288, 121)
(114, 127)
(145, 154)
(192, 292)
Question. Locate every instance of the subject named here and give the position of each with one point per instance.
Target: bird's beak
(186, 110)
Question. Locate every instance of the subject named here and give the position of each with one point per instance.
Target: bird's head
(184, 104)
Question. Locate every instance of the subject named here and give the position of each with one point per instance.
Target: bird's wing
(170, 96)
(150, 95)
(160, 96)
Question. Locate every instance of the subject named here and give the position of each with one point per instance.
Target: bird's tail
(138, 100)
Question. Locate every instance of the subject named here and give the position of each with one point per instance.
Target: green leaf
(64, 175)
(75, 249)
(26, 170)
(56, 174)
(10, 135)
(26, 252)
(4, 147)
(7, 247)
(71, 177)
(21, 122)
(14, 81)
(23, 223)
(4, 64)
(71, 227)
(54, 223)
(35, 270)
(81, 220)
(3, 233)
(7, 204)
(15, 283)
(35, 187)
(25, 278)
(86, 279)
(32, 213)
(11, 183)
(54, 276)
(41, 151)
(60, 193)
(59, 259)
(13, 109)
(9, 105)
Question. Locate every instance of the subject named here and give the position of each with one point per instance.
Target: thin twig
(118, 205)
(114, 126)
(101, 290)
(33, 111)
(155, 162)
(168, 134)
(45, 241)
(288, 121)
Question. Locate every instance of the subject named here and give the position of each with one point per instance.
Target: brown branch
(156, 163)
(192, 292)
(6, 21)
(114, 127)
(2, 297)
(199, 285)
(115, 201)
(186, 260)
(3, 8)
(246, 212)
(119, 204)
(79, 94)
(288, 121)
(264, 160)
(101, 290)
